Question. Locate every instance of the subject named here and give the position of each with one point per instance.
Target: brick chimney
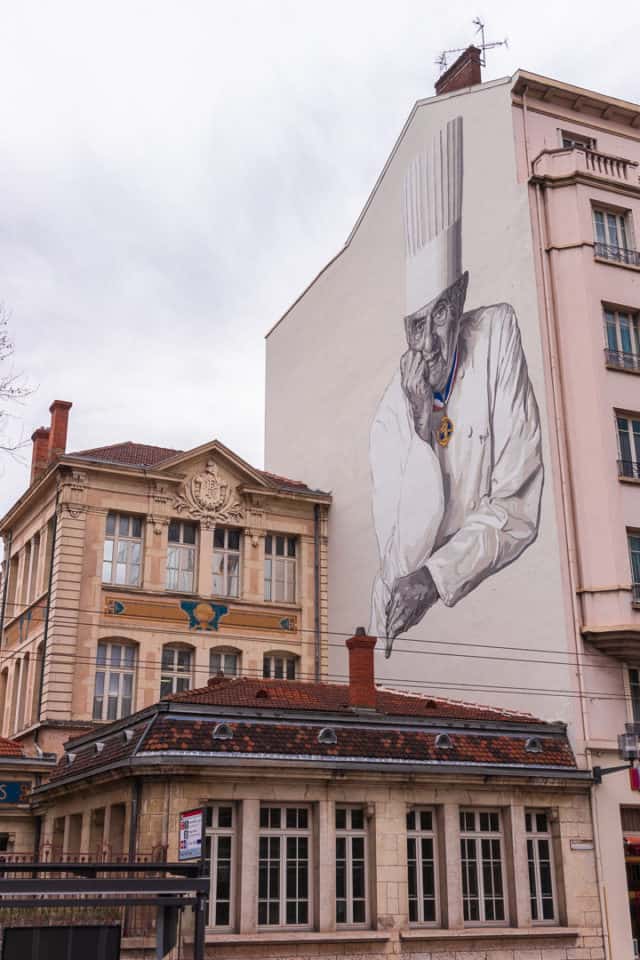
(362, 687)
(463, 72)
(39, 452)
(59, 411)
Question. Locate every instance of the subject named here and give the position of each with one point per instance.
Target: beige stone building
(134, 571)
(346, 820)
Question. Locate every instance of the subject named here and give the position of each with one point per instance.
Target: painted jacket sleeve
(504, 522)
(407, 495)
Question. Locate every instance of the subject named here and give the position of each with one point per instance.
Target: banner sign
(14, 791)
(190, 846)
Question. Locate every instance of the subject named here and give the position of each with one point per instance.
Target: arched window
(115, 679)
(177, 669)
(224, 660)
(280, 665)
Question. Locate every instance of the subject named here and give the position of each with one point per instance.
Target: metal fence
(607, 251)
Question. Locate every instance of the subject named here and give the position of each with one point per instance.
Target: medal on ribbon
(445, 428)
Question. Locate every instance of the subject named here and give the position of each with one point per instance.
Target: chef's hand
(418, 390)
(410, 599)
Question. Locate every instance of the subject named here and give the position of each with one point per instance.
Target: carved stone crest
(206, 497)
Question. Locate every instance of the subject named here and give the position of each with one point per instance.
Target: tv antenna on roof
(483, 46)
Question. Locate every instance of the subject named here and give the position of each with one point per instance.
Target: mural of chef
(456, 464)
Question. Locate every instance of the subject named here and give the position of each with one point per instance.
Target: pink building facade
(514, 517)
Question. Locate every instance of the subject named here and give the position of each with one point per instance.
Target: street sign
(190, 845)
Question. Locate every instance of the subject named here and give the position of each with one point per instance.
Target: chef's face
(433, 331)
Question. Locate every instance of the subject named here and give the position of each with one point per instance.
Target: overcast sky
(172, 174)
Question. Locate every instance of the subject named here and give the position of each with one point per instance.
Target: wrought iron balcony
(635, 593)
(622, 361)
(629, 468)
(607, 251)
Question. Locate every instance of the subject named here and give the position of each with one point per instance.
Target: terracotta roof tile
(128, 453)
(282, 739)
(146, 455)
(334, 697)
(116, 747)
(9, 748)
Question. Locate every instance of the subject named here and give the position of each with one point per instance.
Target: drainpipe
(316, 590)
(136, 792)
(5, 586)
(45, 636)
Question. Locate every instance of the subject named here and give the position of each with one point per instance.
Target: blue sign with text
(14, 791)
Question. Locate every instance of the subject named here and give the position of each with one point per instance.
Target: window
(284, 849)
(421, 857)
(539, 858)
(35, 568)
(481, 856)
(181, 556)
(351, 866)
(115, 670)
(222, 852)
(226, 562)
(572, 141)
(177, 670)
(279, 666)
(634, 691)
(26, 571)
(628, 446)
(613, 236)
(122, 555)
(623, 343)
(633, 539)
(224, 661)
(280, 568)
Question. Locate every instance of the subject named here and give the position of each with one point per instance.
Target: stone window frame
(417, 833)
(186, 554)
(226, 553)
(214, 831)
(107, 669)
(283, 832)
(533, 838)
(350, 833)
(477, 834)
(173, 673)
(113, 539)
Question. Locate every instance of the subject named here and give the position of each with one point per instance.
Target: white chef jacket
(480, 509)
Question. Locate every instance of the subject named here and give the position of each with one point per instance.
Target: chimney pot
(39, 452)
(464, 72)
(362, 687)
(59, 411)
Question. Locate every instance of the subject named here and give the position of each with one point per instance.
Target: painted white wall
(330, 359)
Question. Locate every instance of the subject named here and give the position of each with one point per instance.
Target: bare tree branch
(14, 388)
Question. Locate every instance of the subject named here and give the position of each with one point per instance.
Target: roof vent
(71, 757)
(222, 731)
(327, 735)
(443, 742)
(262, 694)
(128, 736)
(430, 704)
(533, 745)
(99, 746)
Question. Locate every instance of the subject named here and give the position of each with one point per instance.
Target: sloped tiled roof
(282, 739)
(333, 698)
(146, 455)
(9, 748)
(117, 747)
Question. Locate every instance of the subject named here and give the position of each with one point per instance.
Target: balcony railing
(629, 468)
(635, 592)
(607, 251)
(622, 361)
